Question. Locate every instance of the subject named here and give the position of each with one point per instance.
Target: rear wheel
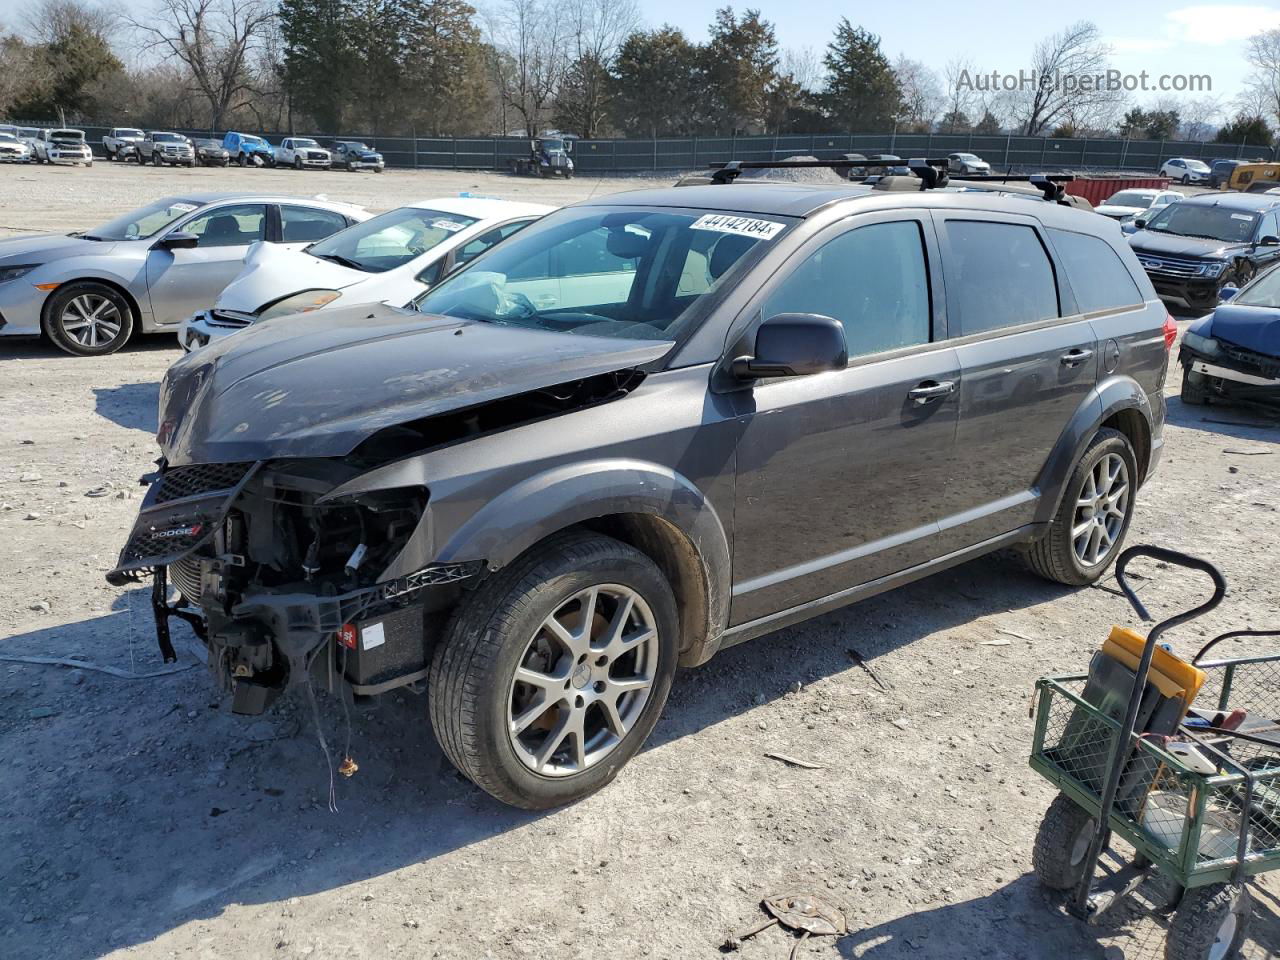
(1211, 923)
(88, 319)
(555, 670)
(1062, 843)
(1088, 530)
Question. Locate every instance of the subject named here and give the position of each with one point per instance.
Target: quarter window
(1099, 278)
(306, 225)
(230, 226)
(1000, 275)
(872, 279)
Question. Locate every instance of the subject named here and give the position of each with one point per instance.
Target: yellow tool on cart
(1179, 759)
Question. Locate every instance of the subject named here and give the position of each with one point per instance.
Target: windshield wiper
(341, 261)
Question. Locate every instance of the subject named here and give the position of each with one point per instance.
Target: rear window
(1000, 274)
(1098, 276)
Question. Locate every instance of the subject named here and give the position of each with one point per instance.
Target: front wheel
(1211, 923)
(555, 670)
(88, 319)
(242, 160)
(1186, 179)
(1086, 534)
(297, 163)
(1062, 844)
(1194, 389)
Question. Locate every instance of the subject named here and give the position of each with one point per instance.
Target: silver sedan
(149, 269)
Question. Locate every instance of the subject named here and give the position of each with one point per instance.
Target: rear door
(841, 475)
(183, 282)
(302, 226)
(1028, 358)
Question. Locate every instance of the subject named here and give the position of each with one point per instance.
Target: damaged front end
(284, 581)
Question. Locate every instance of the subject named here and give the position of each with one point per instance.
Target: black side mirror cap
(180, 240)
(1269, 241)
(794, 345)
(1140, 222)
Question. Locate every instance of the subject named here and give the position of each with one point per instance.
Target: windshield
(1211, 223)
(167, 138)
(357, 146)
(128, 132)
(387, 241)
(67, 134)
(965, 156)
(552, 146)
(1198, 165)
(143, 222)
(305, 143)
(28, 132)
(208, 144)
(252, 141)
(8, 136)
(606, 272)
(1263, 292)
(1131, 198)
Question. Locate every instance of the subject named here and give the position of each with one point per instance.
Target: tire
(69, 307)
(1193, 391)
(475, 698)
(1186, 179)
(297, 163)
(111, 154)
(377, 169)
(1057, 555)
(1211, 923)
(243, 160)
(1062, 842)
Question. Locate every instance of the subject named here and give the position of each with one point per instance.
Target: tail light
(1170, 331)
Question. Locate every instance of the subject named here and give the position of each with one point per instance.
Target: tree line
(587, 67)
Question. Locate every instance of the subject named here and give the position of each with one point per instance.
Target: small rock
(30, 478)
(98, 492)
(26, 443)
(901, 723)
(1233, 469)
(32, 516)
(796, 686)
(63, 483)
(122, 495)
(40, 606)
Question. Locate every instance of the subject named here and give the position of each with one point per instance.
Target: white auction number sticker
(743, 226)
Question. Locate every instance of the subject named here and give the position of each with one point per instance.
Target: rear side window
(1000, 274)
(872, 279)
(306, 225)
(1098, 276)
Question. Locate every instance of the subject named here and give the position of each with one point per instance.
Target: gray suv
(646, 428)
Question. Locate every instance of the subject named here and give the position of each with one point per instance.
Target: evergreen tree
(862, 92)
(654, 83)
(1252, 130)
(739, 71)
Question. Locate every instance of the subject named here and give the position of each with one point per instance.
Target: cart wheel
(1062, 843)
(1211, 923)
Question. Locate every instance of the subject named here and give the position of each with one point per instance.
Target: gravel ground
(139, 816)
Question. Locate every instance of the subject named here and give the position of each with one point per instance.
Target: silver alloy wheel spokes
(91, 320)
(583, 680)
(1101, 506)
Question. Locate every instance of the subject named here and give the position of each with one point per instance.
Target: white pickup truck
(62, 146)
(300, 152)
(121, 143)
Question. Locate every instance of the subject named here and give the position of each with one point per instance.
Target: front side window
(1263, 292)
(1000, 274)
(391, 239)
(144, 222)
(872, 279)
(473, 249)
(605, 271)
(1098, 276)
(236, 226)
(306, 224)
(1206, 222)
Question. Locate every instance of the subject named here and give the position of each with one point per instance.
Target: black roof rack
(933, 173)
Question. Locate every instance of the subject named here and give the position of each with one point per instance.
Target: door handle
(931, 390)
(1073, 358)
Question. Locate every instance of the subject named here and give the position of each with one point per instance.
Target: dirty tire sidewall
(1053, 555)
(1200, 916)
(57, 304)
(1064, 824)
(472, 668)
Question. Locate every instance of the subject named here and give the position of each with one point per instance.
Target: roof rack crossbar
(933, 172)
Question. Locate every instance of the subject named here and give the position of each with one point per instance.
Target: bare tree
(531, 37)
(1262, 87)
(922, 98)
(596, 30)
(1066, 66)
(958, 111)
(804, 66)
(48, 21)
(215, 41)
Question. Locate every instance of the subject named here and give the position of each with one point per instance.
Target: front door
(184, 282)
(841, 475)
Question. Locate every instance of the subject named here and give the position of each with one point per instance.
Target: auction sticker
(743, 226)
(450, 226)
(183, 207)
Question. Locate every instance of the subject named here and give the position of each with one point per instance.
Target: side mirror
(180, 240)
(795, 345)
(1140, 222)
(1227, 292)
(1269, 241)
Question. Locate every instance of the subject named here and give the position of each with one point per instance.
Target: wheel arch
(134, 307)
(1118, 402)
(652, 508)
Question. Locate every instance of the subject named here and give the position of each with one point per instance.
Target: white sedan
(389, 259)
(1124, 205)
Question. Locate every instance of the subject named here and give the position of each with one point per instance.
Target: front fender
(1108, 397)
(541, 505)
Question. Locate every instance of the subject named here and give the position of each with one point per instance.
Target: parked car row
(557, 473)
(48, 145)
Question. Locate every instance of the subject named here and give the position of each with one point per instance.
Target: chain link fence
(671, 154)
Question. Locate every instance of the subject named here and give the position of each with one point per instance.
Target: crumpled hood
(319, 384)
(1254, 328)
(43, 247)
(1116, 211)
(1154, 242)
(272, 272)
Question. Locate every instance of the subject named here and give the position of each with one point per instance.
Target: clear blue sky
(998, 35)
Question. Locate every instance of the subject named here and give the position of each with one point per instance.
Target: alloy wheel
(583, 680)
(91, 320)
(1101, 507)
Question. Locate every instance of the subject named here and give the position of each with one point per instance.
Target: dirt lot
(140, 816)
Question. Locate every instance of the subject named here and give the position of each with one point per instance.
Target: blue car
(1234, 352)
(246, 148)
